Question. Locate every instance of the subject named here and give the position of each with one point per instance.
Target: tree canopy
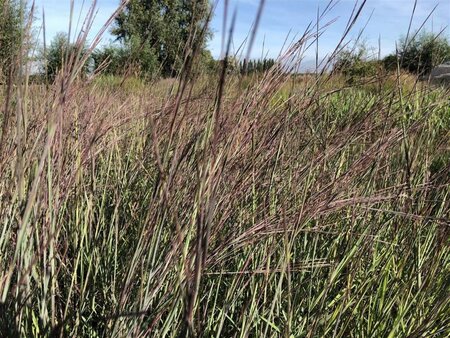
(159, 31)
(60, 54)
(422, 53)
(10, 33)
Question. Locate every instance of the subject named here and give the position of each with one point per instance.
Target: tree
(390, 62)
(10, 33)
(256, 66)
(206, 63)
(424, 52)
(61, 53)
(111, 59)
(355, 63)
(161, 29)
(118, 60)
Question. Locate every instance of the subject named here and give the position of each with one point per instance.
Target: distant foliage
(256, 66)
(356, 63)
(61, 53)
(10, 33)
(390, 62)
(206, 63)
(111, 59)
(159, 33)
(133, 57)
(232, 64)
(425, 52)
(421, 54)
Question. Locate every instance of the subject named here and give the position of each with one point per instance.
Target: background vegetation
(418, 54)
(10, 35)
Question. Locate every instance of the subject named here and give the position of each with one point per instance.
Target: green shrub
(356, 63)
(62, 54)
(111, 59)
(132, 57)
(423, 52)
(390, 62)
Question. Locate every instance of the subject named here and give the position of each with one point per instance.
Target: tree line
(157, 37)
(418, 54)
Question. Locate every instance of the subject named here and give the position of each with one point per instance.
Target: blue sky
(389, 20)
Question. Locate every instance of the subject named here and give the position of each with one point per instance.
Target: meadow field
(286, 206)
(224, 205)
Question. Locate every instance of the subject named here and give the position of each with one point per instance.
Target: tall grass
(219, 206)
